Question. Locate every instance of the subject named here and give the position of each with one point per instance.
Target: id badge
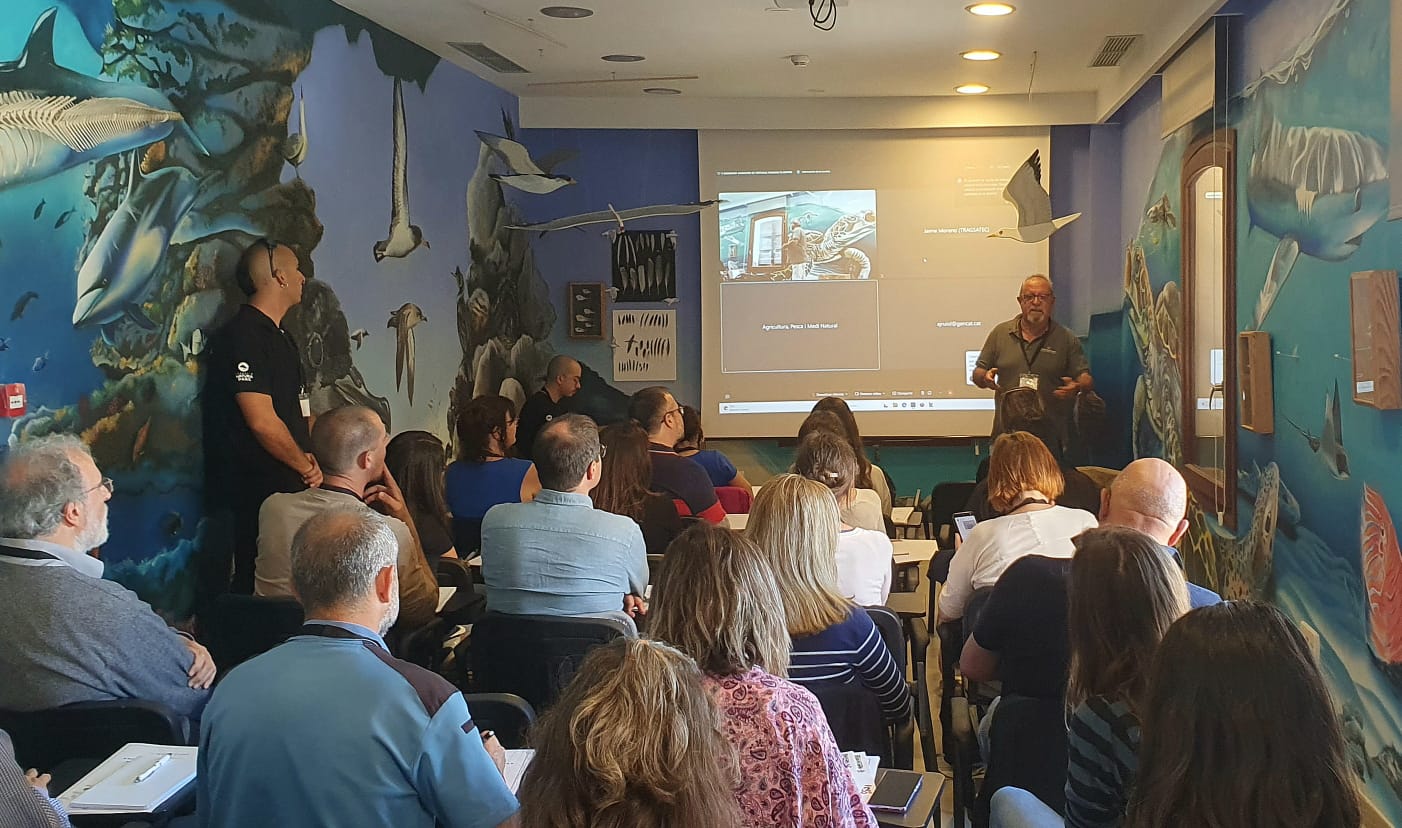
(1028, 381)
(305, 401)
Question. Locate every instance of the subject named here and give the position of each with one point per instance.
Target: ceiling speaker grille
(1113, 50)
(490, 58)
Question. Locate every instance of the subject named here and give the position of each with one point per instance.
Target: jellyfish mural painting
(1317, 189)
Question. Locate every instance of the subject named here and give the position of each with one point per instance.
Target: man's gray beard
(93, 536)
(392, 614)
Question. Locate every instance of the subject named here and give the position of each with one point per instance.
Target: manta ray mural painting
(1313, 182)
(145, 143)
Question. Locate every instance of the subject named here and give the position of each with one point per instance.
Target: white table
(913, 551)
(737, 522)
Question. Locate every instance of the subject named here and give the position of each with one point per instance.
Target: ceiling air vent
(1113, 50)
(490, 58)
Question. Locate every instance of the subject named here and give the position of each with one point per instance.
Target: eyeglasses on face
(104, 483)
(1035, 297)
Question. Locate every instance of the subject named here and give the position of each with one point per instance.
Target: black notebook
(895, 791)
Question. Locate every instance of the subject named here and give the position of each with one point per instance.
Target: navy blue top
(851, 650)
(473, 488)
(718, 467)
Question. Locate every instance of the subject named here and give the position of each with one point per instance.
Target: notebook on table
(137, 779)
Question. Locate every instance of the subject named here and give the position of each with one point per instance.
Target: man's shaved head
(1149, 495)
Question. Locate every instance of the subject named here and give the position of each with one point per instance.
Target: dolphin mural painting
(53, 119)
(119, 269)
(1318, 190)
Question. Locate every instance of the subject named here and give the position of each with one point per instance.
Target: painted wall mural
(145, 143)
(1314, 497)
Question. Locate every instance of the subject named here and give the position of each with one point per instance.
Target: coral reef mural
(1316, 533)
(145, 143)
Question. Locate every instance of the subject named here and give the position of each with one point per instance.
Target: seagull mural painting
(1329, 445)
(1034, 213)
(53, 119)
(404, 238)
(526, 174)
(404, 320)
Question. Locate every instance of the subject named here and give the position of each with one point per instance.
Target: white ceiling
(905, 52)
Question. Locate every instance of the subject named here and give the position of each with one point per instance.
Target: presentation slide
(857, 264)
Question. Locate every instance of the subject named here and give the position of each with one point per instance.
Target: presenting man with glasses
(1033, 351)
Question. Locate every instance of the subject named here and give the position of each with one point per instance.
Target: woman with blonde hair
(834, 642)
(1023, 484)
(716, 601)
(633, 742)
(863, 555)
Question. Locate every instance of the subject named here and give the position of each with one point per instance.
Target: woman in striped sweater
(1123, 595)
(835, 643)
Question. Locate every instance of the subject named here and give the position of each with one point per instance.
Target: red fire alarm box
(15, 402)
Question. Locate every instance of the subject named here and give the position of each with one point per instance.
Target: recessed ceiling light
(622, 58)
(566, 12)
(990, 9)
(971, 89)
(662, 90)
(980, 54)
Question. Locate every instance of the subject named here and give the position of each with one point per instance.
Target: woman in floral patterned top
(716, 601)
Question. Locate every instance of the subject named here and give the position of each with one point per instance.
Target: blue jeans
(1016, 808)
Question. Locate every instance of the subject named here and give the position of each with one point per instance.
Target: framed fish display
(645, 265)
(586, 304)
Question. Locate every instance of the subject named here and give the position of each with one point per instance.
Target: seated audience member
(633, 742)
(1123, 596)
(1023, 485)
(658, 413)
(329, 729)
(24, 795)
(484, 475)
(869, 475)
(349, 444)
(416, 461)
(863, 509)
(563, 377)
(794, 522)
(1234, 686)
(716, 601)
(1151, 496)
(1022, 410)
(692, 446)
(863, 555)
(558, 555)
(623, 486)
(67, 635)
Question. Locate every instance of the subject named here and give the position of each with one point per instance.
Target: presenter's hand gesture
(385, 497)
(990, 379)
(1068, 389)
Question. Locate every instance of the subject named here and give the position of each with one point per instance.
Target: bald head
(1151, 496)
(343, 436)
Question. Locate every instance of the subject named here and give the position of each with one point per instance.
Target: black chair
(945, 500)
(236, 628)
(535, 656)
(654, 567)
(903, 734)
(1027, 745)
(508, 716)
(69, 741)
(467, 537)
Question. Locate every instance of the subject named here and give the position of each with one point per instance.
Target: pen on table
(155, 766)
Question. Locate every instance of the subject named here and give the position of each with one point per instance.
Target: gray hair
(564, 449)
(343, 434)
(336, 555)
(39, 479)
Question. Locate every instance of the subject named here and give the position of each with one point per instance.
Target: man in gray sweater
(67, 635)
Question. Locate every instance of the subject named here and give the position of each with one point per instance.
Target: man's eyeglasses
(1035, 297)
(603, 452)
(676, 410)
(105, 483)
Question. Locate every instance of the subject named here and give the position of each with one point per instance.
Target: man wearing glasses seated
(1033, 351)
(67, 635)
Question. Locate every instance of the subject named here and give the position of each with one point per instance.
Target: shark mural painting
(1312, 190)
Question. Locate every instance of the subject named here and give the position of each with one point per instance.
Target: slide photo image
(805, 236)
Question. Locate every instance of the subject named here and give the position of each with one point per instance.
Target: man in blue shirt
(329, 729)
(558, 555)
(1152, 497)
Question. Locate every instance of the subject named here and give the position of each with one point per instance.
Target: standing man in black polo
(258, 412)
(562, 379)
(1032, 351)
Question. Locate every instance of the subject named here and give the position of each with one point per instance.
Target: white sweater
(864, 566)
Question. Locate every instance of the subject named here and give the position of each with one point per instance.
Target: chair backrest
(467, 537)
(654, 567)
(892, 633)
(945, 500)
(901, 735)
(236, 628)
(1027, 749)
(734, 500)
(507, 715)
(90, 730)
(535, 656)
(854, 714)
